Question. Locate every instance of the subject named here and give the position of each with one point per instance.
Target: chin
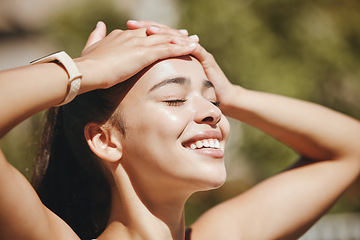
(218, 183)
(214, 180)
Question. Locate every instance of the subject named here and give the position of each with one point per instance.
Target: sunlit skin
(171, 106)
(170, 113)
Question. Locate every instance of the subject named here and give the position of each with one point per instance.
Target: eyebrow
(208, 84)
(180, 81)
(176, 80)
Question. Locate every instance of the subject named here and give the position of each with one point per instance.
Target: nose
(206, 113)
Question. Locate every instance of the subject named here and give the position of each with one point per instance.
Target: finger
(155, 28)
(194, 38)
(208, 62)
(98, 34)
(133, 24)
(169, 38)
(212, 69)
(184, 32)
(168, 50)
(201, 54)
(128, 34)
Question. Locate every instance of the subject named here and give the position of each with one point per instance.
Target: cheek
(157, 125)
(166, 119)
(171, 118)
(152, 139)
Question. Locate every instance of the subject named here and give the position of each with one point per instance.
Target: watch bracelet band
(70, 67)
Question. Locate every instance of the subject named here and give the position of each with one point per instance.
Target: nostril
(208, 119)
(207, 113)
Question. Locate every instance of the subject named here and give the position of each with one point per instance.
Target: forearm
(310, 129)
(28, 90)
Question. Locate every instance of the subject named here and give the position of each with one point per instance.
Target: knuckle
(140, 52)
(170, 48)
(137, 41)
(116, 32)
(126, 34)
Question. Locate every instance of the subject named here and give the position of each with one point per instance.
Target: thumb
(98, 34)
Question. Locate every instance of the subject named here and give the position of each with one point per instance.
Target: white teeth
(217, 144)
(209, 143)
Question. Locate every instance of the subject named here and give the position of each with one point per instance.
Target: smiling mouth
(205, 143)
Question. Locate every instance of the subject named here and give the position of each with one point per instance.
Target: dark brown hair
(69, 178)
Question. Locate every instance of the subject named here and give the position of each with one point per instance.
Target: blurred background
(301, 48)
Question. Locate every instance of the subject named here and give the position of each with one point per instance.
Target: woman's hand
(108, 60)
(225, 90)
(157, 28)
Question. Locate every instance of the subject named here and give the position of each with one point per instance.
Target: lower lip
(211, 152)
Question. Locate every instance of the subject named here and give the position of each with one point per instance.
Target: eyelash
(178, 102)
(216, 103)
(175, 103)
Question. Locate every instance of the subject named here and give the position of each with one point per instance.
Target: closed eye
(175, 102)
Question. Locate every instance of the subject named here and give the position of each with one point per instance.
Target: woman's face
(175, 133)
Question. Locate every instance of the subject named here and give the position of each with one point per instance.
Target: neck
(136, 215)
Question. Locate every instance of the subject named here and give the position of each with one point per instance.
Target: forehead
(186, 67)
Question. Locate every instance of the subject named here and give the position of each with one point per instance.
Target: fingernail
(154, 28)
(194, 37)
(177, 41)
(184, 32)
(98, 23)
(192, 45)
(133, 21)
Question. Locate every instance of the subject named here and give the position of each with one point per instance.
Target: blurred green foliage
(71, 27)
(301, 48)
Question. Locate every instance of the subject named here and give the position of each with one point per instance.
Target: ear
(104, 142)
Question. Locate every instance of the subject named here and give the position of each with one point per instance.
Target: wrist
(232, 100)
(91, 78)
(63, 60)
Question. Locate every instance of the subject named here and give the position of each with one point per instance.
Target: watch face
(39, 59)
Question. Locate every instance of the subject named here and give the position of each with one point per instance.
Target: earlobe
(103, 142)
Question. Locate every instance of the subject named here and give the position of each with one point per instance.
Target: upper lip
(204, 135)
